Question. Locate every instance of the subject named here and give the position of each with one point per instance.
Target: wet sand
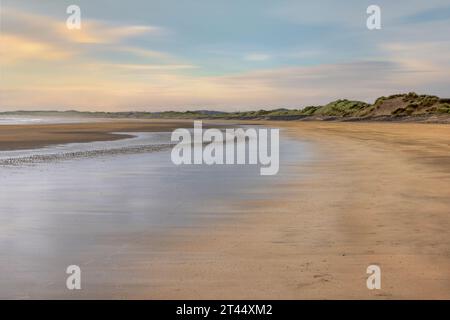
(111, 208)
(16, 137)
(372, 193)
(375, 193)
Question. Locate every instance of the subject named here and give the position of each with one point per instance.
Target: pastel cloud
(46, 28)
(34, 36)
(138, 65)
(257, 57)
(16, 48)
(289, 87)
(100, 32)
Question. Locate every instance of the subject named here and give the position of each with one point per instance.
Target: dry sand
(374, 193)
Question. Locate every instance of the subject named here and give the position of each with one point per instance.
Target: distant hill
(409, 107)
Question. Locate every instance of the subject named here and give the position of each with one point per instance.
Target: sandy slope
(376, 193)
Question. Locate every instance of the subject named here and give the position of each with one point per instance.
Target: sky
(147, 55)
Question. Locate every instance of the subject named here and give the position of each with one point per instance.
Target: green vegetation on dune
(309, 111)
(443, 108)
(341, 108)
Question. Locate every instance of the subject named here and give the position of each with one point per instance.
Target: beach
(364, 194)
(375, 194)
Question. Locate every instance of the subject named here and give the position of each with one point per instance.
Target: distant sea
(37, 120)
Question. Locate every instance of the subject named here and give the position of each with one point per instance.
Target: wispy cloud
(257, 57)
(50, 29)
(151, 67)
(432, 14)
(289, 87)
(353, 12)
(17, 48)
(31, 37)
(285, 53)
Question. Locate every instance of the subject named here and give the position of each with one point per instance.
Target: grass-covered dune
(395, 107)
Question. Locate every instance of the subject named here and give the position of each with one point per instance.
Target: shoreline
(36, 136)
(374, 193)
